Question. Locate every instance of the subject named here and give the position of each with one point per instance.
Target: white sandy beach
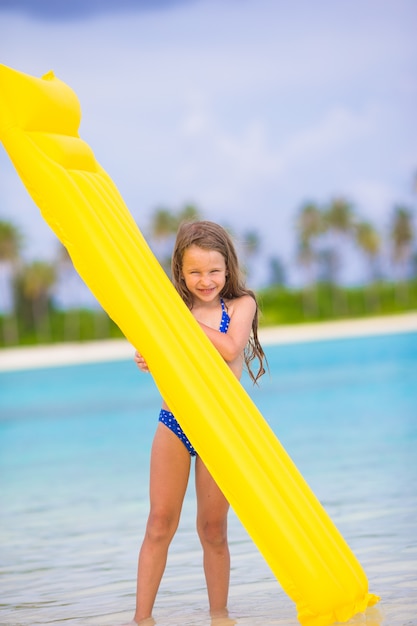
(120, 349)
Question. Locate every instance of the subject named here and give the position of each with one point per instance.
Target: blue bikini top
(225, 321)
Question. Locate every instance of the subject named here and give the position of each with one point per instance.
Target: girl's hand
(141, 363)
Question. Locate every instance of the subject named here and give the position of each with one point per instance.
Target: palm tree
(164, 225)
(339, 224)
(10, 245)
(276, 272)
(402, 238)
(189, 213)
(162, 232)
(36, 281)
(369, 242)
(251, 244)
(10, 241)
(64, 278)
(309, 229)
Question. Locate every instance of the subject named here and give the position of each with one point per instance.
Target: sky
(246, 108)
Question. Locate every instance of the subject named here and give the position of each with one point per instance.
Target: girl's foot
(221, 618)
(149, 621)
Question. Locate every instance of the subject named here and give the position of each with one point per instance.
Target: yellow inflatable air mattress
(39, 122)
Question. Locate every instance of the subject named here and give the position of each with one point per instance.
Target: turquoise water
(74, 452)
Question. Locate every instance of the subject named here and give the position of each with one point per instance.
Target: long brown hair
(211, 236)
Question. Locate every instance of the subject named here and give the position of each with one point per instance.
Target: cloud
(338, 127)
(80, 9)
(245, 108)
(244, 155)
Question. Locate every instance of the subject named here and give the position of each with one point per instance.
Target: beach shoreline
(75, 353)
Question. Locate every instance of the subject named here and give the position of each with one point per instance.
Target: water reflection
(371, 617)
(222, 621)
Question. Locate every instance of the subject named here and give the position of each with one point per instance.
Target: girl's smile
(204, 272)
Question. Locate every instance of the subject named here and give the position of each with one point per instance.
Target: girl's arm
(232, 344)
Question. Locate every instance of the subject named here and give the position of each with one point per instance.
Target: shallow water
(74, 451)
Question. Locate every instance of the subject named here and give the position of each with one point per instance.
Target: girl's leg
(170, 469)
(212, 509)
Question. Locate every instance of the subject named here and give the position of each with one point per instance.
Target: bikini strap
(225, 321)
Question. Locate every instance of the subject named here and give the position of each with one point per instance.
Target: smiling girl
(205, 272)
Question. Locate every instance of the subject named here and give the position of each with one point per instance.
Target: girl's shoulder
(245, 303)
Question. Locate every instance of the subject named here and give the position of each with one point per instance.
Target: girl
(205, 271)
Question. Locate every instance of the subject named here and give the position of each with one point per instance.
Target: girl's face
(204, 272)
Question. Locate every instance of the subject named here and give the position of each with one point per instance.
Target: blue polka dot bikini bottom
(167, 418)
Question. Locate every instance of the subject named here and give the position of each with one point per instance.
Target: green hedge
(278, 305)
(327, 302)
